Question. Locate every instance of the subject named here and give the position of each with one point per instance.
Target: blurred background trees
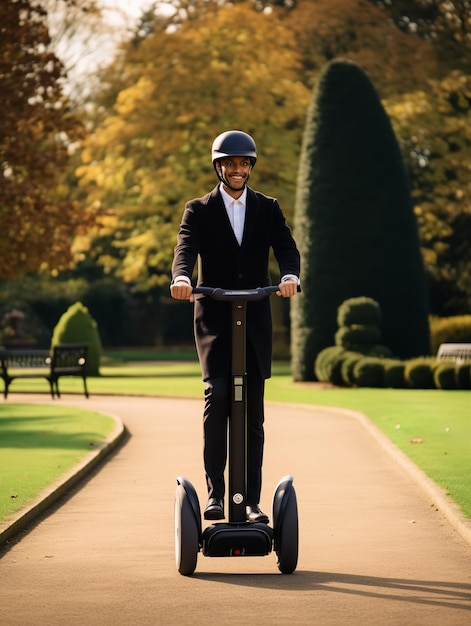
(37, 130)
(97, 162)
(445, 23)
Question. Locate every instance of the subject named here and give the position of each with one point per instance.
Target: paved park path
(374, 549)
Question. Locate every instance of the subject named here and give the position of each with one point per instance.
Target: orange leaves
(36, 226)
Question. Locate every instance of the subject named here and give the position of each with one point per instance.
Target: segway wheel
(186, 533)
(287, 535)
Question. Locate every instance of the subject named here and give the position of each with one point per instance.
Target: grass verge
(39, 444)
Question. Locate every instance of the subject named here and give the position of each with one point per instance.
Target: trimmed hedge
(369, 372)
(359, 311)
(463, 376)
(359, 338)
(444, 375)
(419, 373)
(347, 368)
(328, 364)
(358, 359)
(394, 374)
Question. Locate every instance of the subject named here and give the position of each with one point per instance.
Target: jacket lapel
(251, 212)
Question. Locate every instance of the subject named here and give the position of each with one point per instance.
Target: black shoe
(214, 509)
(254, 514)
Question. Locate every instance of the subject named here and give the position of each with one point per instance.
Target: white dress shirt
(235, 208)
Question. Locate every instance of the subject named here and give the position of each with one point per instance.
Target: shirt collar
(228, 200)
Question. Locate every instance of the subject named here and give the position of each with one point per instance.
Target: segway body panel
(249, 539)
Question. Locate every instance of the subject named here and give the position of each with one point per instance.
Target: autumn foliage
(229, 68)
(181, 79)
(36, 130)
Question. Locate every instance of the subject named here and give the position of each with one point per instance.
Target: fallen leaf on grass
(416, 440)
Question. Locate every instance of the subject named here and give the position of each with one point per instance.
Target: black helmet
(234, 143)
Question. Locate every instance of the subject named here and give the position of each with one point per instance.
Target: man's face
(235, 170)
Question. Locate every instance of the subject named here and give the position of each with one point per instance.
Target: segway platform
(249, 539)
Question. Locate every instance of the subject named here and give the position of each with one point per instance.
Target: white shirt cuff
(184, 279)
(289, 277)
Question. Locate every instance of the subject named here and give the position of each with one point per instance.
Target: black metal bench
(68, 359)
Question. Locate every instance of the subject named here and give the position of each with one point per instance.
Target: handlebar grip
(233, 294)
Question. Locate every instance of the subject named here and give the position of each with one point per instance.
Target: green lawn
(38, 444)
(442, 419)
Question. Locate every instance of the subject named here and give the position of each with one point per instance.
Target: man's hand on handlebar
(288, 288)
(182, 291)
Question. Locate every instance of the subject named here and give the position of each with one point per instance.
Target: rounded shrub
(337, 364)
(380, 351)
(359, 311)
(444, 375)
(369, 372)
(347, 368)
(76, 325)
(326, 362)
(419, 373)
(394, 374)
(463, 375)
(358, 338)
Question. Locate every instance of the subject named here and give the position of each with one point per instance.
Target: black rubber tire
(186, 534)
(287, 543)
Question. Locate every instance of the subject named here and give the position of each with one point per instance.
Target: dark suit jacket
(206, 235)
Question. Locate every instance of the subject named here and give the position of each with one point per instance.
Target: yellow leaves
(131, 100)
(219, 65)
(185, 119)
(415, 104)
(152, 151)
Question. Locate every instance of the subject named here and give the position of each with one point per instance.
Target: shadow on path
(427, 592)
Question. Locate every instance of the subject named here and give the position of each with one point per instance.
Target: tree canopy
(434, 129)
(36, 131)
(207, 68)
(396, 61)
(180, 80)
(445, 23)
(232, 68)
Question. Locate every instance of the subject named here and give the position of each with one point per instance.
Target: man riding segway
(230, 232)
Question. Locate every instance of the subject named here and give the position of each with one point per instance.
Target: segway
(236, 538)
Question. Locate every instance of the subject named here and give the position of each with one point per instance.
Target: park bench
(64, 360)
(458, 352)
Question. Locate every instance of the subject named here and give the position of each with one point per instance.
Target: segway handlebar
(234, 294)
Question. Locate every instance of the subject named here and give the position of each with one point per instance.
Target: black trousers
(216, 413)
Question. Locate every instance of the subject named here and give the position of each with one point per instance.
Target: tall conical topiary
(354, 222)
(76, 325)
